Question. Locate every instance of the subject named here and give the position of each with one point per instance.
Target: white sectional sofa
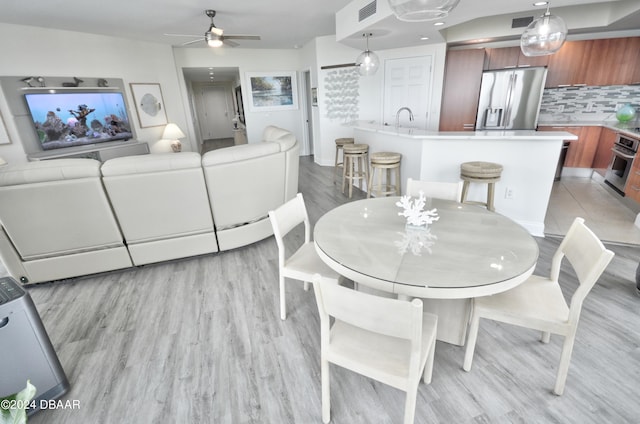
(64, 218)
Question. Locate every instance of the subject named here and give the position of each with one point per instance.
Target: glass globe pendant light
(422, 10)
(543, 36)
(367, 62)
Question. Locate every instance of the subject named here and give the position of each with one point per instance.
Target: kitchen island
(529, 159)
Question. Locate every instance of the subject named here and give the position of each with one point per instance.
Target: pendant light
(367, 61)
(422, 10)
(544, 36)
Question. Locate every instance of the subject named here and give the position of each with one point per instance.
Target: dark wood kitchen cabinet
(569, 65)
(582, 151)
(612, 61)
(632, 189)
(603, 153)
(463, 73)
(609, 61)
(512, 57)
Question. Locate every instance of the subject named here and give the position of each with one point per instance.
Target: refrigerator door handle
(509, 105)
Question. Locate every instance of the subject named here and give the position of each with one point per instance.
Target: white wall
(371, 88)
(32, 51)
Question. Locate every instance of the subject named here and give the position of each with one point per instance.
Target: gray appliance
(510, 99)
(26, 352)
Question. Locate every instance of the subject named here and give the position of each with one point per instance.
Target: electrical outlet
(508, 193)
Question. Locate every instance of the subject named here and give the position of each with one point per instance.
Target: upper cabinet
(511, 57)
(463, 74)
(610, 61)
(569, 65)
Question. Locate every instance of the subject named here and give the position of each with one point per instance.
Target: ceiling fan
(215, 36)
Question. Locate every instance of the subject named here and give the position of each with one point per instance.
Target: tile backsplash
(587, 103)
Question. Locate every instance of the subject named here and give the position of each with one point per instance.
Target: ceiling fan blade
(182, 35)
(191, 42)
(229, 43)
(242, 37)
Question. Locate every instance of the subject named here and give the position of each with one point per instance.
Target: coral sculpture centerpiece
(413, 211)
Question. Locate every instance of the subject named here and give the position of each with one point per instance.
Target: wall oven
(624, 151)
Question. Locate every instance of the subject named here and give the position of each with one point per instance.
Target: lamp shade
(543, 36)
(172, 132)
(422, 10)
(2, 162)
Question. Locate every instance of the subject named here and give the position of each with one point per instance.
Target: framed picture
(272, 91)
(314, 96)
(149, 104)
(4, 136)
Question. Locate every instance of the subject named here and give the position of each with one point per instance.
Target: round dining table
(468, 252)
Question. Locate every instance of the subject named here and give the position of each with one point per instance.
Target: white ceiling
(292, 23)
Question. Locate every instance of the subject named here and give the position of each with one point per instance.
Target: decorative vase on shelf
(626, 113)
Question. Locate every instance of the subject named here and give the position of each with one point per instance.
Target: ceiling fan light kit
(367, 62)
(543, 36)
(213, 40)
(422, 10)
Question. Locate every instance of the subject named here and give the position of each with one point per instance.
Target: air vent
(521, 22)
(368, 10)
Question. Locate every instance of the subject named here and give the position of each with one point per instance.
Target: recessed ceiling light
(424, 38)
(541, 3)
(438, 24)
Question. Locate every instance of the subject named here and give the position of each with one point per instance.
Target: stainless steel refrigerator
(510, 99)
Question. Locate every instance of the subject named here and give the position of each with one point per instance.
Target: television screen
(78, 118)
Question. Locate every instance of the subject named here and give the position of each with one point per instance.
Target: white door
(407, 83)
(215, 114)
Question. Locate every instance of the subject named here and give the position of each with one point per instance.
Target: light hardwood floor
(200, 341)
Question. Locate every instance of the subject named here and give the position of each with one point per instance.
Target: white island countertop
(529, 160)
(421, 134)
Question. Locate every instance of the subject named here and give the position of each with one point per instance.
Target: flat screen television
(76, 118)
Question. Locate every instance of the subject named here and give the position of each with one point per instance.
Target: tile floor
(607, 214)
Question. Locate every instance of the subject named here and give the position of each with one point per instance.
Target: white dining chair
(304, 262)
(439, 190)
(388, 340)
(539, 303)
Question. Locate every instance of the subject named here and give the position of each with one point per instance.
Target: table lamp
(174, 133)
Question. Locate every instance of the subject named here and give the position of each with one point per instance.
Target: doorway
(308, 148)
(213, 106)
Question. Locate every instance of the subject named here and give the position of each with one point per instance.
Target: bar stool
(340, 142)
(384, 161)
(480, 172)
(355, 154)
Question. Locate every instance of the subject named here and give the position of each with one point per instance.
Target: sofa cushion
(49, 171)
(239, 153)
(150, 163)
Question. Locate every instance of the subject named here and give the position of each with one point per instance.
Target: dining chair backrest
(390, 317)
(588, 257)
(287, 217)
(436, 189)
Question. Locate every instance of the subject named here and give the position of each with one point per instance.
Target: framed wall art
(149, 104)
(272, 91)
(314, 96)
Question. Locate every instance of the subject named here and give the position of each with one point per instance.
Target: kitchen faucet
(398, 115)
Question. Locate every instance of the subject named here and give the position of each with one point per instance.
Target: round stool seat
(480, 170)
(344, 140)
(355, 148)
(385, 158)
